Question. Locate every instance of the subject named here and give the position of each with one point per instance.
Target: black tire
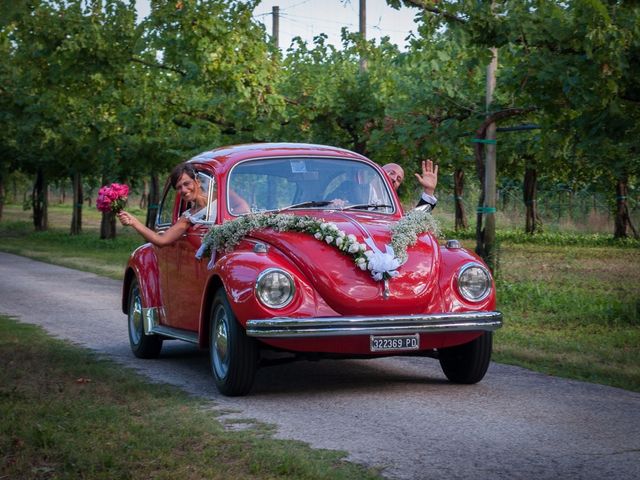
(469, 362)
(233, 355)
(142, 346)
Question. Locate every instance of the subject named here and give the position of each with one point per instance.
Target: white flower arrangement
(405, 233)
(382, 266)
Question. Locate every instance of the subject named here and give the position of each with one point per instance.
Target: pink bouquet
(112, 198)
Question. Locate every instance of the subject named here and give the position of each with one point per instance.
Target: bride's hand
(124, 218)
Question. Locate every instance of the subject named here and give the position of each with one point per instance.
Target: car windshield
(324, 183)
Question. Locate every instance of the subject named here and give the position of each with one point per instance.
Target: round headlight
(474, 282)
(275, 288)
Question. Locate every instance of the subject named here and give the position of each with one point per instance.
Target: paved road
(397, 414)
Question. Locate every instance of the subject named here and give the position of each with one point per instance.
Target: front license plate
(383, 343)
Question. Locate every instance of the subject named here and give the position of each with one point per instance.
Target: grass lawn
(571, 311)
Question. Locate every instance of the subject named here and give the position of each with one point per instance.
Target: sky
(308, 18)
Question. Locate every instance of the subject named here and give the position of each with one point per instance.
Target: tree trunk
(623, 220)
(14, 185)
(530, 193)
(458, 191)
(108, 226)
(63, 193)
(144, 197)
(108, 222)
(39, 202)
(154, 200)
(571, 198)
(76, 217)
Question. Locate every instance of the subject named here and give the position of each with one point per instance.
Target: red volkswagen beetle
(305, 249)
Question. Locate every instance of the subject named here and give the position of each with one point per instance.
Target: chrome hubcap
(135, 317)
(220, 344)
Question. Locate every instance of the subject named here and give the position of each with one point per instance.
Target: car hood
(351, 291)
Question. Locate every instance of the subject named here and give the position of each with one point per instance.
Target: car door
(189, 275)
(167, 265)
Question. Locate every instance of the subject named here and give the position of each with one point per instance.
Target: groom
(428, 179)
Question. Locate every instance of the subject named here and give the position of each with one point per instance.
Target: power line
(318, 19)
(346, 24)
(298, 4)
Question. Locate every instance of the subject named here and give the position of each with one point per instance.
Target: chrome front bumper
(282, 327)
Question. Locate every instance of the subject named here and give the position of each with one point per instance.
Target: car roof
(230, 155)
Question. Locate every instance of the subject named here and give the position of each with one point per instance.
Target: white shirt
(430, 199)
(199, 216)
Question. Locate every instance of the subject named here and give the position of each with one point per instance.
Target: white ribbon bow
(381, 263)
(200, 253)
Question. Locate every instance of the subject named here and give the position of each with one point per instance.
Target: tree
(576, 62)
(64, 65)
(93, 93)
(202, 76)
(329, 98)
(217, 71)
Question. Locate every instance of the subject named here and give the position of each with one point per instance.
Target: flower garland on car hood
(366, 256)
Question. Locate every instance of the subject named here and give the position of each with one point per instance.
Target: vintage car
(318, 260)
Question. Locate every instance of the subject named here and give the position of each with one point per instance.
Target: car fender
(143, 265)
(453, 259)
(237, 272)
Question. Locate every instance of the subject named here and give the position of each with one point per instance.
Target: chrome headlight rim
(258, 286)
(461, 290)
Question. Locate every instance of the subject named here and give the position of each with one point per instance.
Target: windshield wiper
(362, 206)
(309, 204)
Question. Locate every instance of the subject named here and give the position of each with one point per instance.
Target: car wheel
(233, 355)
(142, 346)
(469, 362)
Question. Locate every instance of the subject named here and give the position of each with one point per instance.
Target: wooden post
(363, 31)
(490, 169)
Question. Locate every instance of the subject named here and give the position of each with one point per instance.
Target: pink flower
(112, 198)
(120, 189)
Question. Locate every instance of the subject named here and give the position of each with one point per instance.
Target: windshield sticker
(298, 166)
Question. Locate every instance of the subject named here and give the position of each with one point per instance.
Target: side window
(165, 212)
(209, 192)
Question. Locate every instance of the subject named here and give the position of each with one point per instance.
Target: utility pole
(363, 31)
(275, 13)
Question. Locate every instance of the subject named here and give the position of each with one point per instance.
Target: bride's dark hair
(176, 173)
